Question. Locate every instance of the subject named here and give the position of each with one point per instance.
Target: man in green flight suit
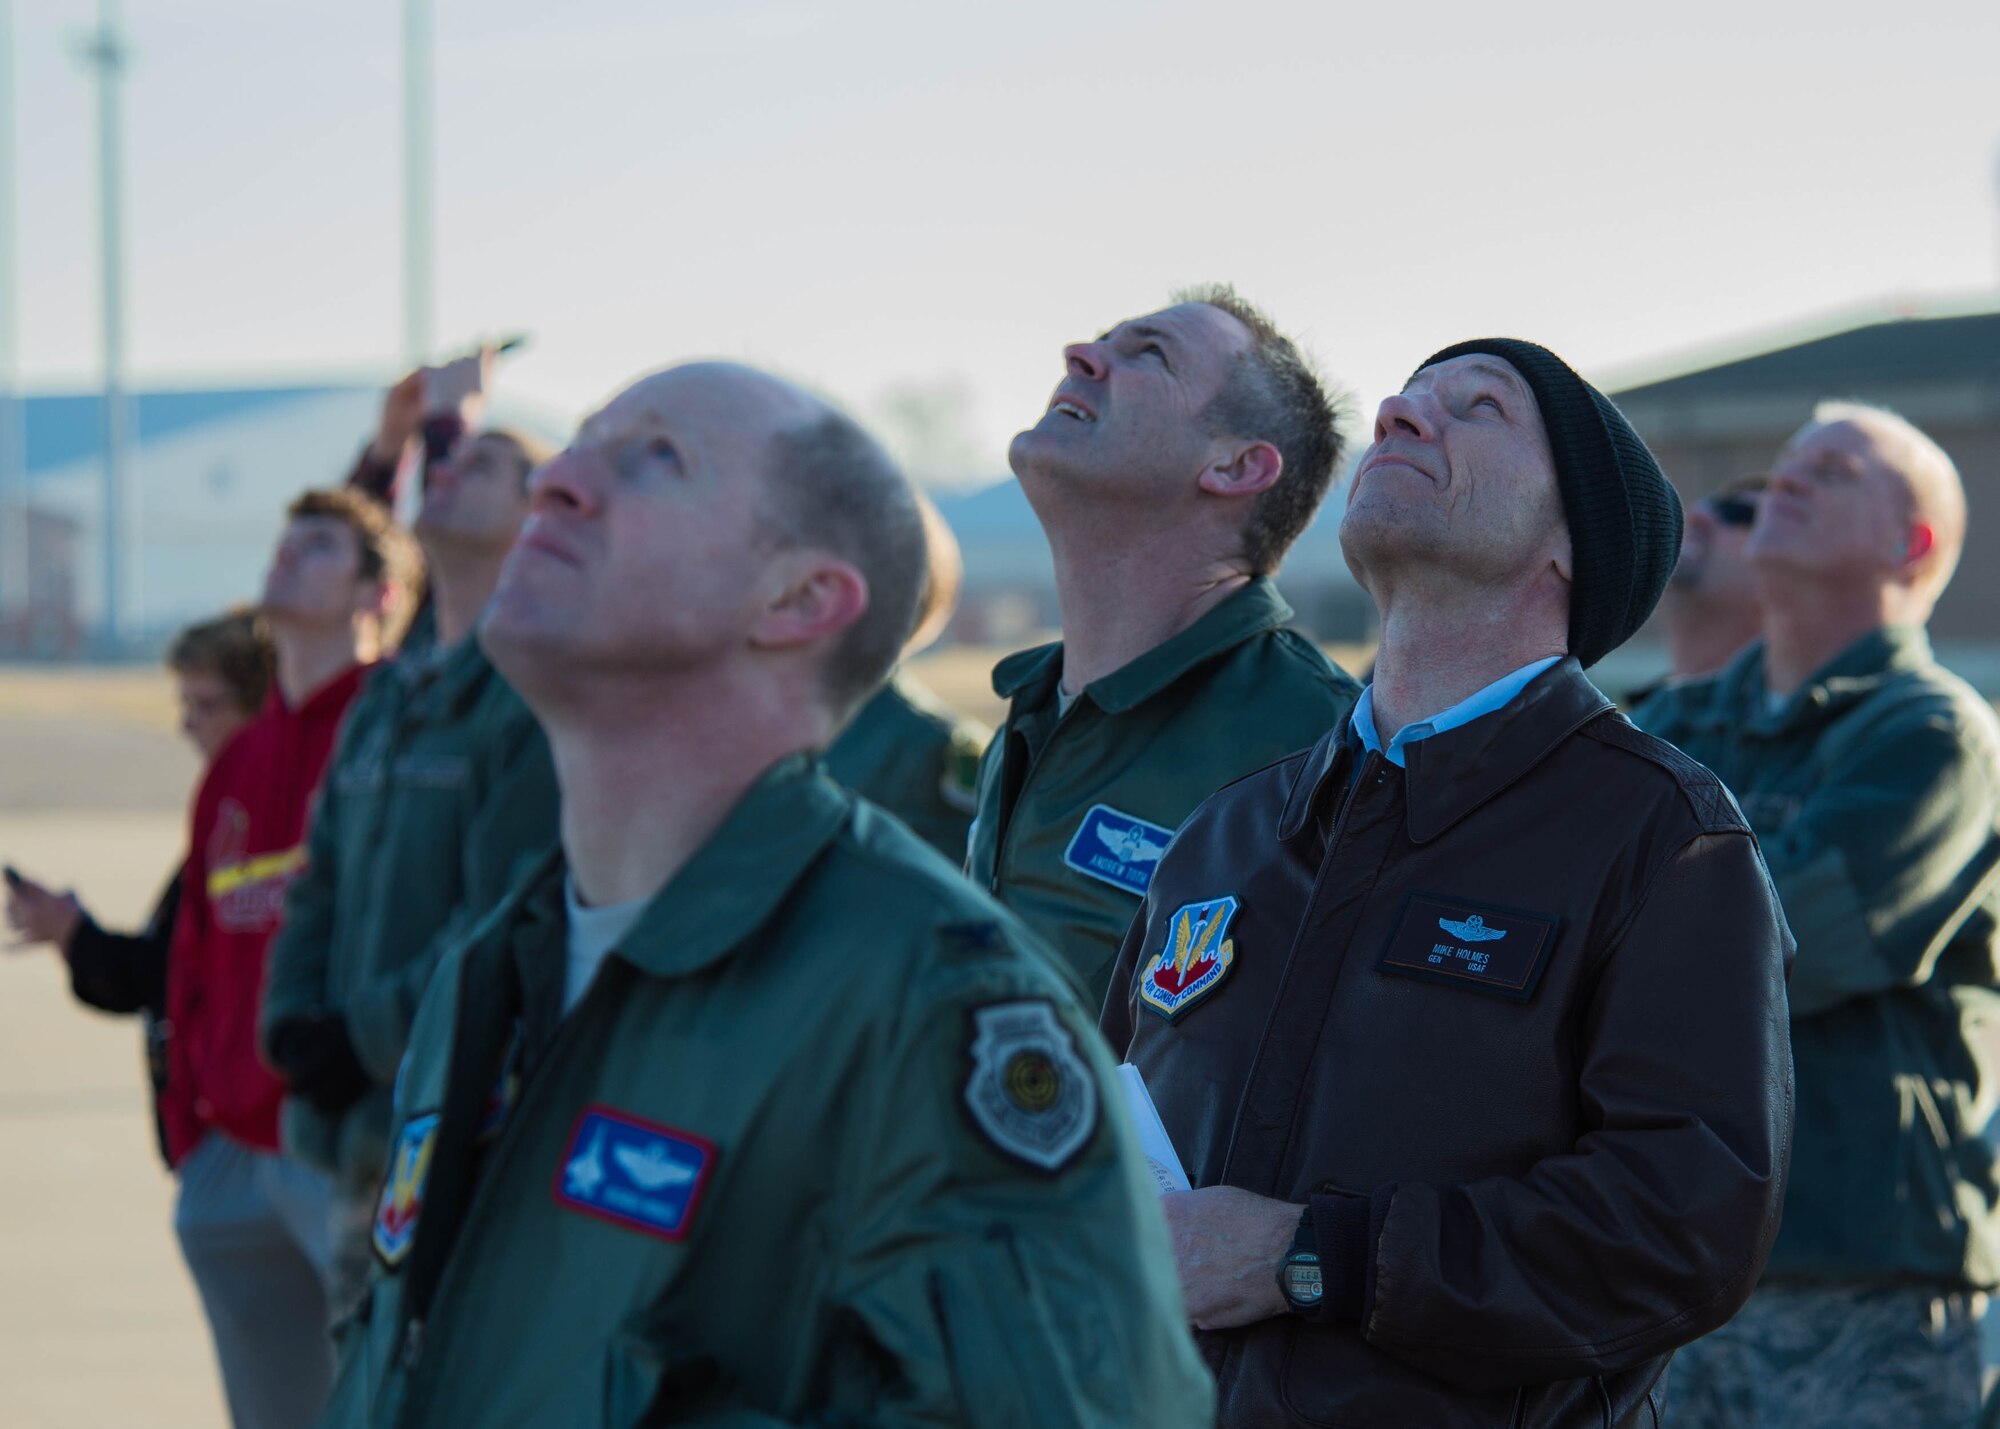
(905, 750)
(1180, 457)
(1871, 776)
(745, 1108)
(441, 783)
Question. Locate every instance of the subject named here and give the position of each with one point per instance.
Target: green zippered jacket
(440, 787)
(1875, 792)
(1076, 806)
(907, 752)
(826, 1141)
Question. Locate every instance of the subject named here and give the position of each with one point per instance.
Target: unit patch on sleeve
(1500, 950)
(1115, 848)
(1029, 1091)
(1196, 954)
(403, 1189)
(633, 1173)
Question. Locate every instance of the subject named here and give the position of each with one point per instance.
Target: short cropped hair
(234, 648)
(1931, 473)
(1274, 395)
(387, 551)
(831, 486)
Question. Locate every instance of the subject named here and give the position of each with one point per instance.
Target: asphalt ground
(99, 1325)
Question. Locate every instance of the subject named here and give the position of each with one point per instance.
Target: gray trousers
(254, 1230)
(1818, 1356)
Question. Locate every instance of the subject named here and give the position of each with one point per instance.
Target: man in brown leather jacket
(1469, 1022)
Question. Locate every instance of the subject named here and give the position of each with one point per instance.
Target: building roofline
(1652, 372)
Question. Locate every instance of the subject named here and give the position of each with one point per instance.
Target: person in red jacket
(254, 1228)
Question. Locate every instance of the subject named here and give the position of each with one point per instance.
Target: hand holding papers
(1153, 1140)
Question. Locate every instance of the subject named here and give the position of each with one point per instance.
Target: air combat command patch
(1029, 1091)
(1196, 955)
(403, 1190)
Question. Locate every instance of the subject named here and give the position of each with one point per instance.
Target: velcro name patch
(1117, 848)
(633, 1173)
(1479, 945)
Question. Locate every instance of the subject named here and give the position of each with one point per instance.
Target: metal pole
(107, 54)
(417, 264)
(13, 408)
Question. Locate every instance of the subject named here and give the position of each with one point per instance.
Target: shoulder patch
(403, 1189)
(1028, 1091)
(1196, 954)
(1117, 848)
(1714, 807)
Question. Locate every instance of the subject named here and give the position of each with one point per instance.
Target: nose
(568, 481)
(1790, 476)
(1087, 360)
(1403, 415)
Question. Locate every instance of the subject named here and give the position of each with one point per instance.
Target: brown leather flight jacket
(1513, 1022)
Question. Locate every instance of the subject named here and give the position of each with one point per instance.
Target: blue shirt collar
(1483, 702)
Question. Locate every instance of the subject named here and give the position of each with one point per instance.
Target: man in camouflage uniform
(745, 1109)
(1181, 455)
(1872, 778)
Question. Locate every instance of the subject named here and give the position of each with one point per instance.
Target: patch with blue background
(1116, 848)
(633, 1173)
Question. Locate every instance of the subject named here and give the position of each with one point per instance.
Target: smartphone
(12, 875)
(519, 339)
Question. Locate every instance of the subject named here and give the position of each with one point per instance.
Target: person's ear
(815, 599)
(1563, 557)
(1252, 468)
(379, 598)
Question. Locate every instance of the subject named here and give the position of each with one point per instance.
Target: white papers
(1153, 1139)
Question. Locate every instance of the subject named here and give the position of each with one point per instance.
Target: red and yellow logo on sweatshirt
(247, 891)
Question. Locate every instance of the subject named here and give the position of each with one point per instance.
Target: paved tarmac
(99, 1326)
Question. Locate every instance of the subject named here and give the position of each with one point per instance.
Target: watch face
(1303, 1285)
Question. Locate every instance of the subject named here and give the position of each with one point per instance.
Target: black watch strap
(1300, 1277)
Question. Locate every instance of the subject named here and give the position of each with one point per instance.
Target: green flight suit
(439, 789)
(826, 1141)
(1874, 790)
(1076, 807)
(907, 752)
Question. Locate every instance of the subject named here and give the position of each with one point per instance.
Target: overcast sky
(881, 198)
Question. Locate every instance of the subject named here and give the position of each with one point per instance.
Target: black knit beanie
(1624, 517)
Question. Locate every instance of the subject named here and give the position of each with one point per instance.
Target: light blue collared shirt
(1484, 702)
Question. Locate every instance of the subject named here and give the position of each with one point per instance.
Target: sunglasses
(1732, 510)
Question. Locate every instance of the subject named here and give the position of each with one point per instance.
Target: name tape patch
(1499, 950)
(634, 1173)
(1117, 848)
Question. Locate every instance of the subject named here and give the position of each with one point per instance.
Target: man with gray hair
(744, 1108)
(1872, 778)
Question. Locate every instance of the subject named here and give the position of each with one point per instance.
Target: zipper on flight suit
(414, 1393)
(1034, 759)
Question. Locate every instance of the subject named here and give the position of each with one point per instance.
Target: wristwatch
(1299, 1272)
